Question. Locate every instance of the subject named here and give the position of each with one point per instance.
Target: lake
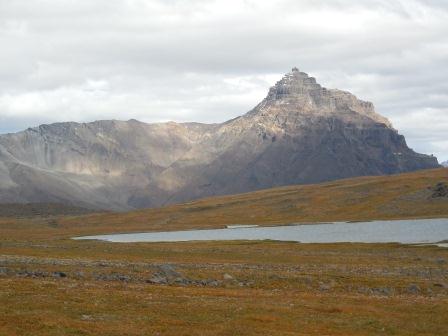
(401, 231)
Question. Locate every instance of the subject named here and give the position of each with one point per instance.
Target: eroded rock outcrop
(440, 190)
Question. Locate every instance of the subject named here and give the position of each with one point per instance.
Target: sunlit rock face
(300, 133)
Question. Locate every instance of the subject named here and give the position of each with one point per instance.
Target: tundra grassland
(53, 285)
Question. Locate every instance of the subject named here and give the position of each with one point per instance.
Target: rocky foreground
(432, 278)
(222, 288)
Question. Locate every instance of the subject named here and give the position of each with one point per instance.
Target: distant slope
(410, 195)
(445, 164)
(33, 210)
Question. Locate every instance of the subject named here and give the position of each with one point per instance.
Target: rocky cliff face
(300, 133)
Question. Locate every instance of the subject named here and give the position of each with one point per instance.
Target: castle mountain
(300, 133)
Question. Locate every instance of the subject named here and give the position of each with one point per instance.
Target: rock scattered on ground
(440, 190)
(414, 289)
(432, 279)
(227, 276)
(168, 275)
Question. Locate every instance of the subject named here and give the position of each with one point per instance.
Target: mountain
(445, 164)
(300, 133)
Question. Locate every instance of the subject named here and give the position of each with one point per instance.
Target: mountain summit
(300, 133)
(299, 92)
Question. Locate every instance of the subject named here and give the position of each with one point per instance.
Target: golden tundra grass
(276, 288)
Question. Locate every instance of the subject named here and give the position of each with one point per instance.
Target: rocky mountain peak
(294, 85)
(299, 94)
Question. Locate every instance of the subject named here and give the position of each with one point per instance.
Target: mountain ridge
(300, 133)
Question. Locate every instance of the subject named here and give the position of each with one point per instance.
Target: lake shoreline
(417, 231)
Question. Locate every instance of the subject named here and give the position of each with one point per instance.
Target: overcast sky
(212, 60)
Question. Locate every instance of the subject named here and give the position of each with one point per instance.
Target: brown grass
(279, 288)
(291, 289)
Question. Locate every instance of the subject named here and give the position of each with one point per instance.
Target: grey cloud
(213, 60)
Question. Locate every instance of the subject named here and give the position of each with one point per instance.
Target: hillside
(33, 210)
(411, 195)
(301, 133)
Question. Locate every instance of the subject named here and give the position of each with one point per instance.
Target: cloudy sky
(211, 60)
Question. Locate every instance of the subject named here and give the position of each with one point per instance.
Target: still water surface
(400, 231)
